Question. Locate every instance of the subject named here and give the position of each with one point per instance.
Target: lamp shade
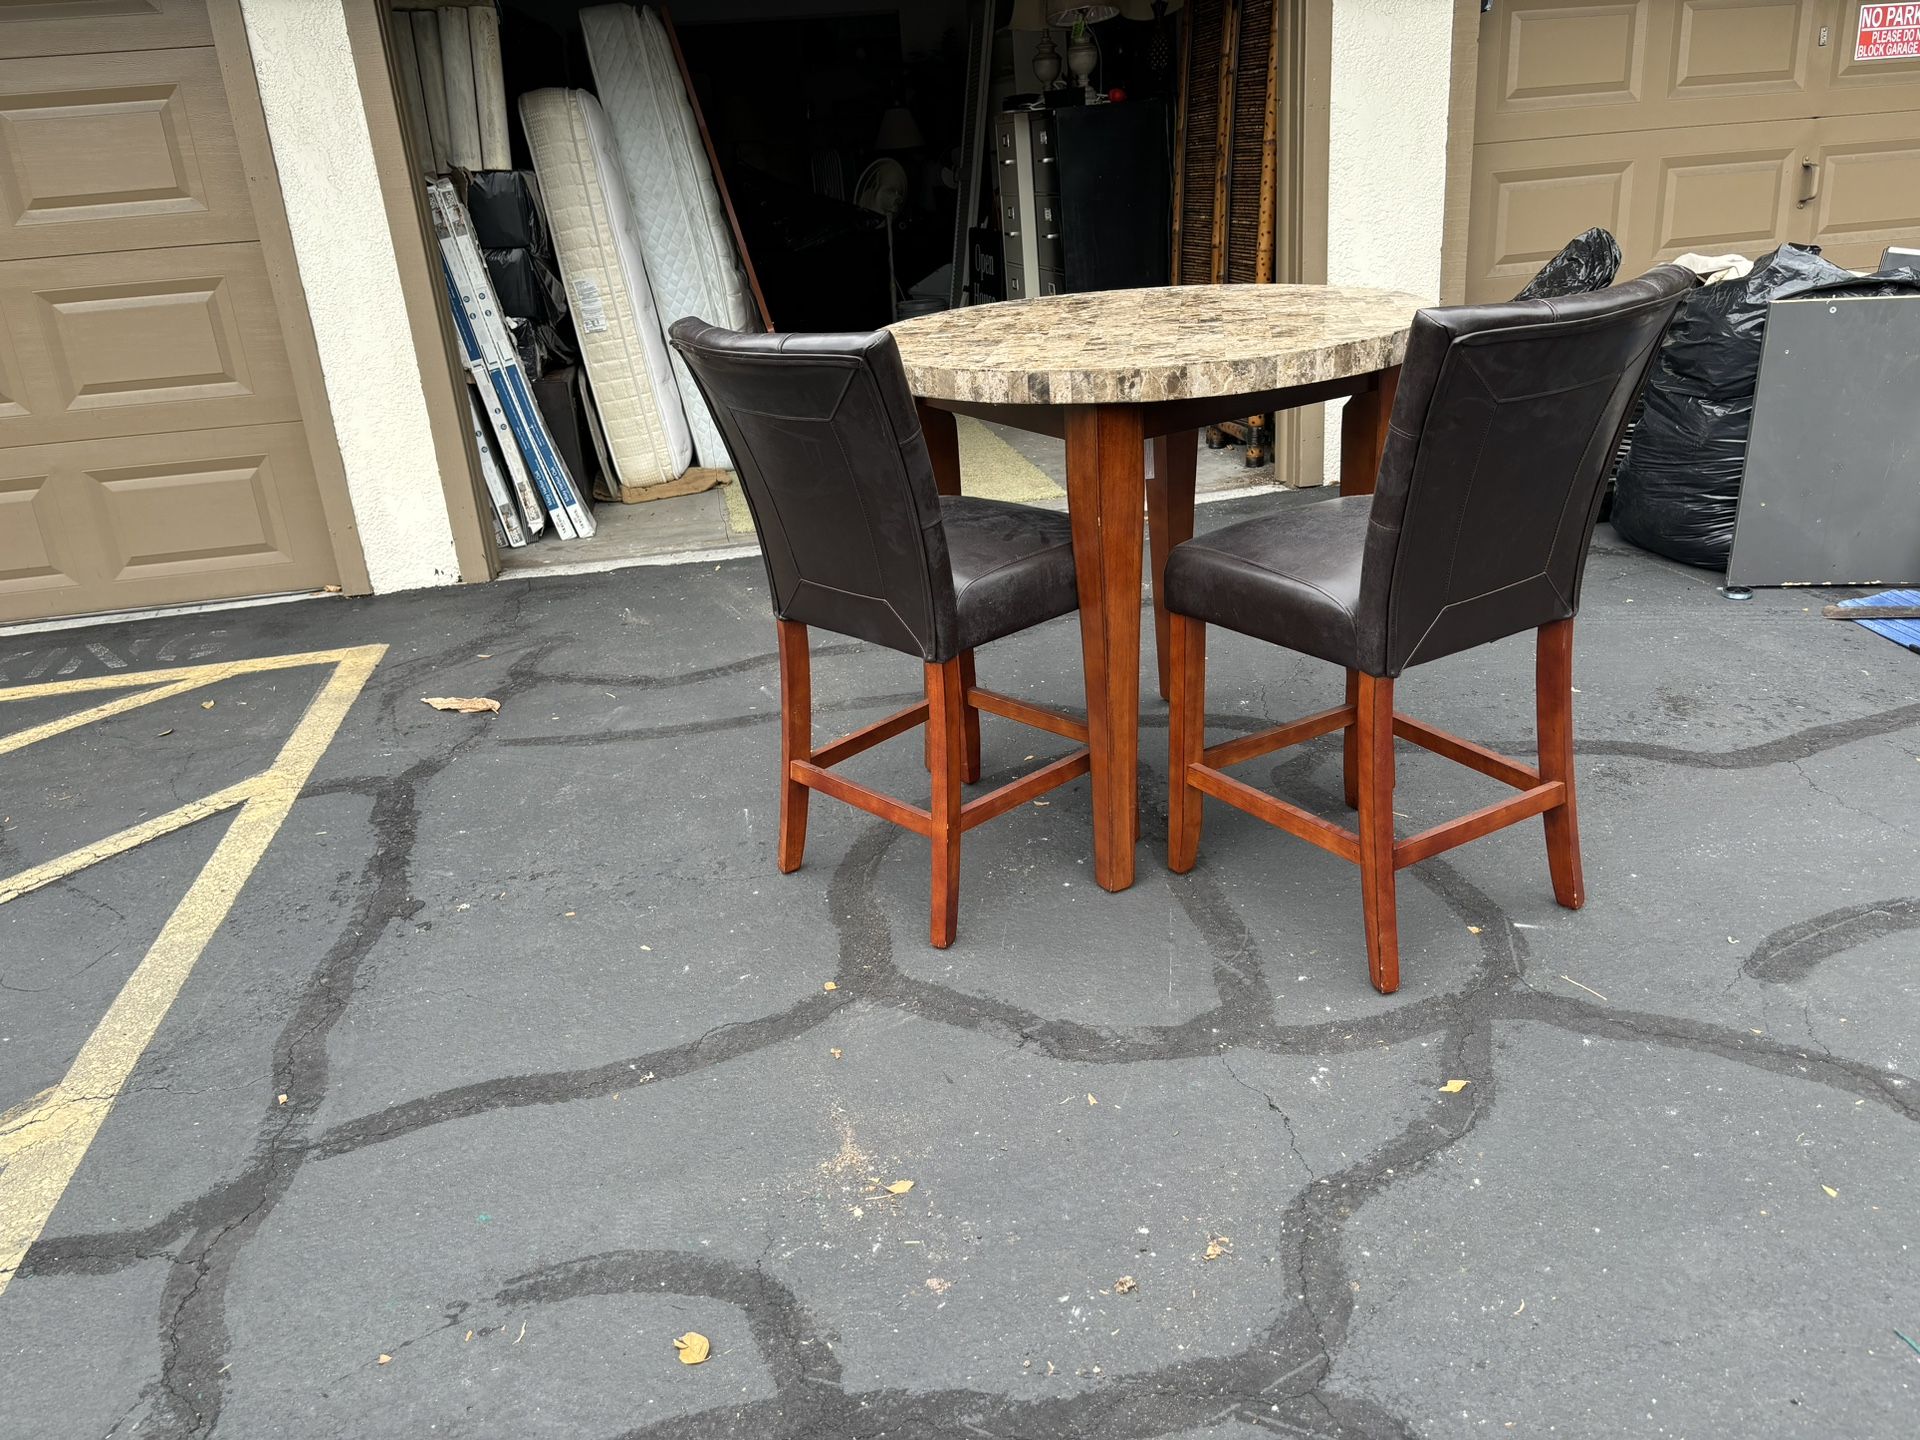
(1030, 15)
(1075, 14)
(1143, 9)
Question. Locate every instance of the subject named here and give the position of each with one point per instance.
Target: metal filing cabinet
(1083, 197)
(1028, 183)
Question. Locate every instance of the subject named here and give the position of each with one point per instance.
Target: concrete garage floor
(515, 1058)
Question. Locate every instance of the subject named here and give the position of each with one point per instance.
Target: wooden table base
(1107, 479)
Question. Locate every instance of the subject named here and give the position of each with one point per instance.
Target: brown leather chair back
(827, 444)
(1502, 434)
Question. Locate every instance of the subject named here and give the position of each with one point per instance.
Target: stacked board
(452, 89)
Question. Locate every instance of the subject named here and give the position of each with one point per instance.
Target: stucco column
(1387, 152)
(321, 146)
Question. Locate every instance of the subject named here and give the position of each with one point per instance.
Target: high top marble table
(1111, 371)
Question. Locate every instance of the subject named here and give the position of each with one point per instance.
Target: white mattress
(598, 247)
(683, 230)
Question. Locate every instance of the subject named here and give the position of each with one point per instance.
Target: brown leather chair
(857, 540)
(1502, 429)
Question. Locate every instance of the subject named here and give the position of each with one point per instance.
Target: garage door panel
(1555, 67)
(69, 27)
(117, 152)
(168, 518)
(151, 340)
(1869, 187)
(1717, 202)
(32, 540)
(1557, 56)
(1743, 47)
(1529, 202)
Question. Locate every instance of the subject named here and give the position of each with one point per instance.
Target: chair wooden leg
(1375, 744)
(969, 722)
(1553, 706)
(1169, 523)
(1350, 747)
(796, 741)
(946, 705)
(1186, 737)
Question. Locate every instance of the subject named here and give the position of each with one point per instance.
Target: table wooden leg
(1363, 433)
(942, 434)
(1106, 478)
(1169, 522)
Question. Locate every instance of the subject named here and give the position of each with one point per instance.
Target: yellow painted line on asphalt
(74, 861)
(20, 739)
(43, 1141)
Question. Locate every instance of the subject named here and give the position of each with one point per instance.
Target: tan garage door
(1704, 125)
(152, 449)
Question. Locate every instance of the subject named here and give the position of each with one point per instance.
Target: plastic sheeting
(1587, 262)
(505, 206)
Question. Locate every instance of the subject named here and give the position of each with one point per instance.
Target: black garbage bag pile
(1677, 491)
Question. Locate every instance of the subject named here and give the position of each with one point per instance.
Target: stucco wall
(321, 146)
(1387, 161)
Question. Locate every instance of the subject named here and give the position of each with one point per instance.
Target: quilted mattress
(683, 230)
(598, 247)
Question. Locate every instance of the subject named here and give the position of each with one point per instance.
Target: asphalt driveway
(506, 1056)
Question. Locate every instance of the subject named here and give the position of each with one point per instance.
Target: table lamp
(1031, 15)
(1083, 52)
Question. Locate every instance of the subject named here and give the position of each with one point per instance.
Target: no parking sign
(1888, 32)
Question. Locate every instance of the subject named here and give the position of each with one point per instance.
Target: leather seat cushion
(1012, 566)
(1292, 578)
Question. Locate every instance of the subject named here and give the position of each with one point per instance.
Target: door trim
(1457, 205)
(1304, 73)
(235, 55)
(442, 377)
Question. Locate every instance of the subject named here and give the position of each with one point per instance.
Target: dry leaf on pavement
(384, 1360)
(693, 1347)
(899, 1187)
(1125, 1285)
(464, 704)
(1454, 1087)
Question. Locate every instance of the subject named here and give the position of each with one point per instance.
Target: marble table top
(1139, 346)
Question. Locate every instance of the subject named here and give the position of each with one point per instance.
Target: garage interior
(841, 141)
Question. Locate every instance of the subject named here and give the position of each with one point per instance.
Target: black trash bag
(1588, 262)
(1678, 489)
(526, 286)
(505, 208)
